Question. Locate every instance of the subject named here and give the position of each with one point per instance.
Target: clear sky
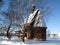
(53, 23)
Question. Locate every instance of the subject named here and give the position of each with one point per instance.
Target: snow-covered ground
(16, 41)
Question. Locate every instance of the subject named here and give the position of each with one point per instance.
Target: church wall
(40, 33)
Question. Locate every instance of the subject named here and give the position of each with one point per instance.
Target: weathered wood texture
(36, 33)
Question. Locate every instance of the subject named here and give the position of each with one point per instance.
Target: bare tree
(1, 3)
(0, 0)
(13, 14)
(18, 10)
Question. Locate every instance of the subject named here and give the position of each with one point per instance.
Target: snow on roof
(39, 22)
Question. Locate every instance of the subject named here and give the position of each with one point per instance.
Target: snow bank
(16, 41)
(29, 42)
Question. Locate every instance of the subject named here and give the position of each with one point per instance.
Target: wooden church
(37, 29)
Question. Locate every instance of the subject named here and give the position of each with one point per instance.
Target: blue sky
(53, 23)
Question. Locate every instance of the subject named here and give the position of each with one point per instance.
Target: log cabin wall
(38, 33)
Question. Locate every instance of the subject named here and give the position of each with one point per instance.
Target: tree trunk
(8, 34)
